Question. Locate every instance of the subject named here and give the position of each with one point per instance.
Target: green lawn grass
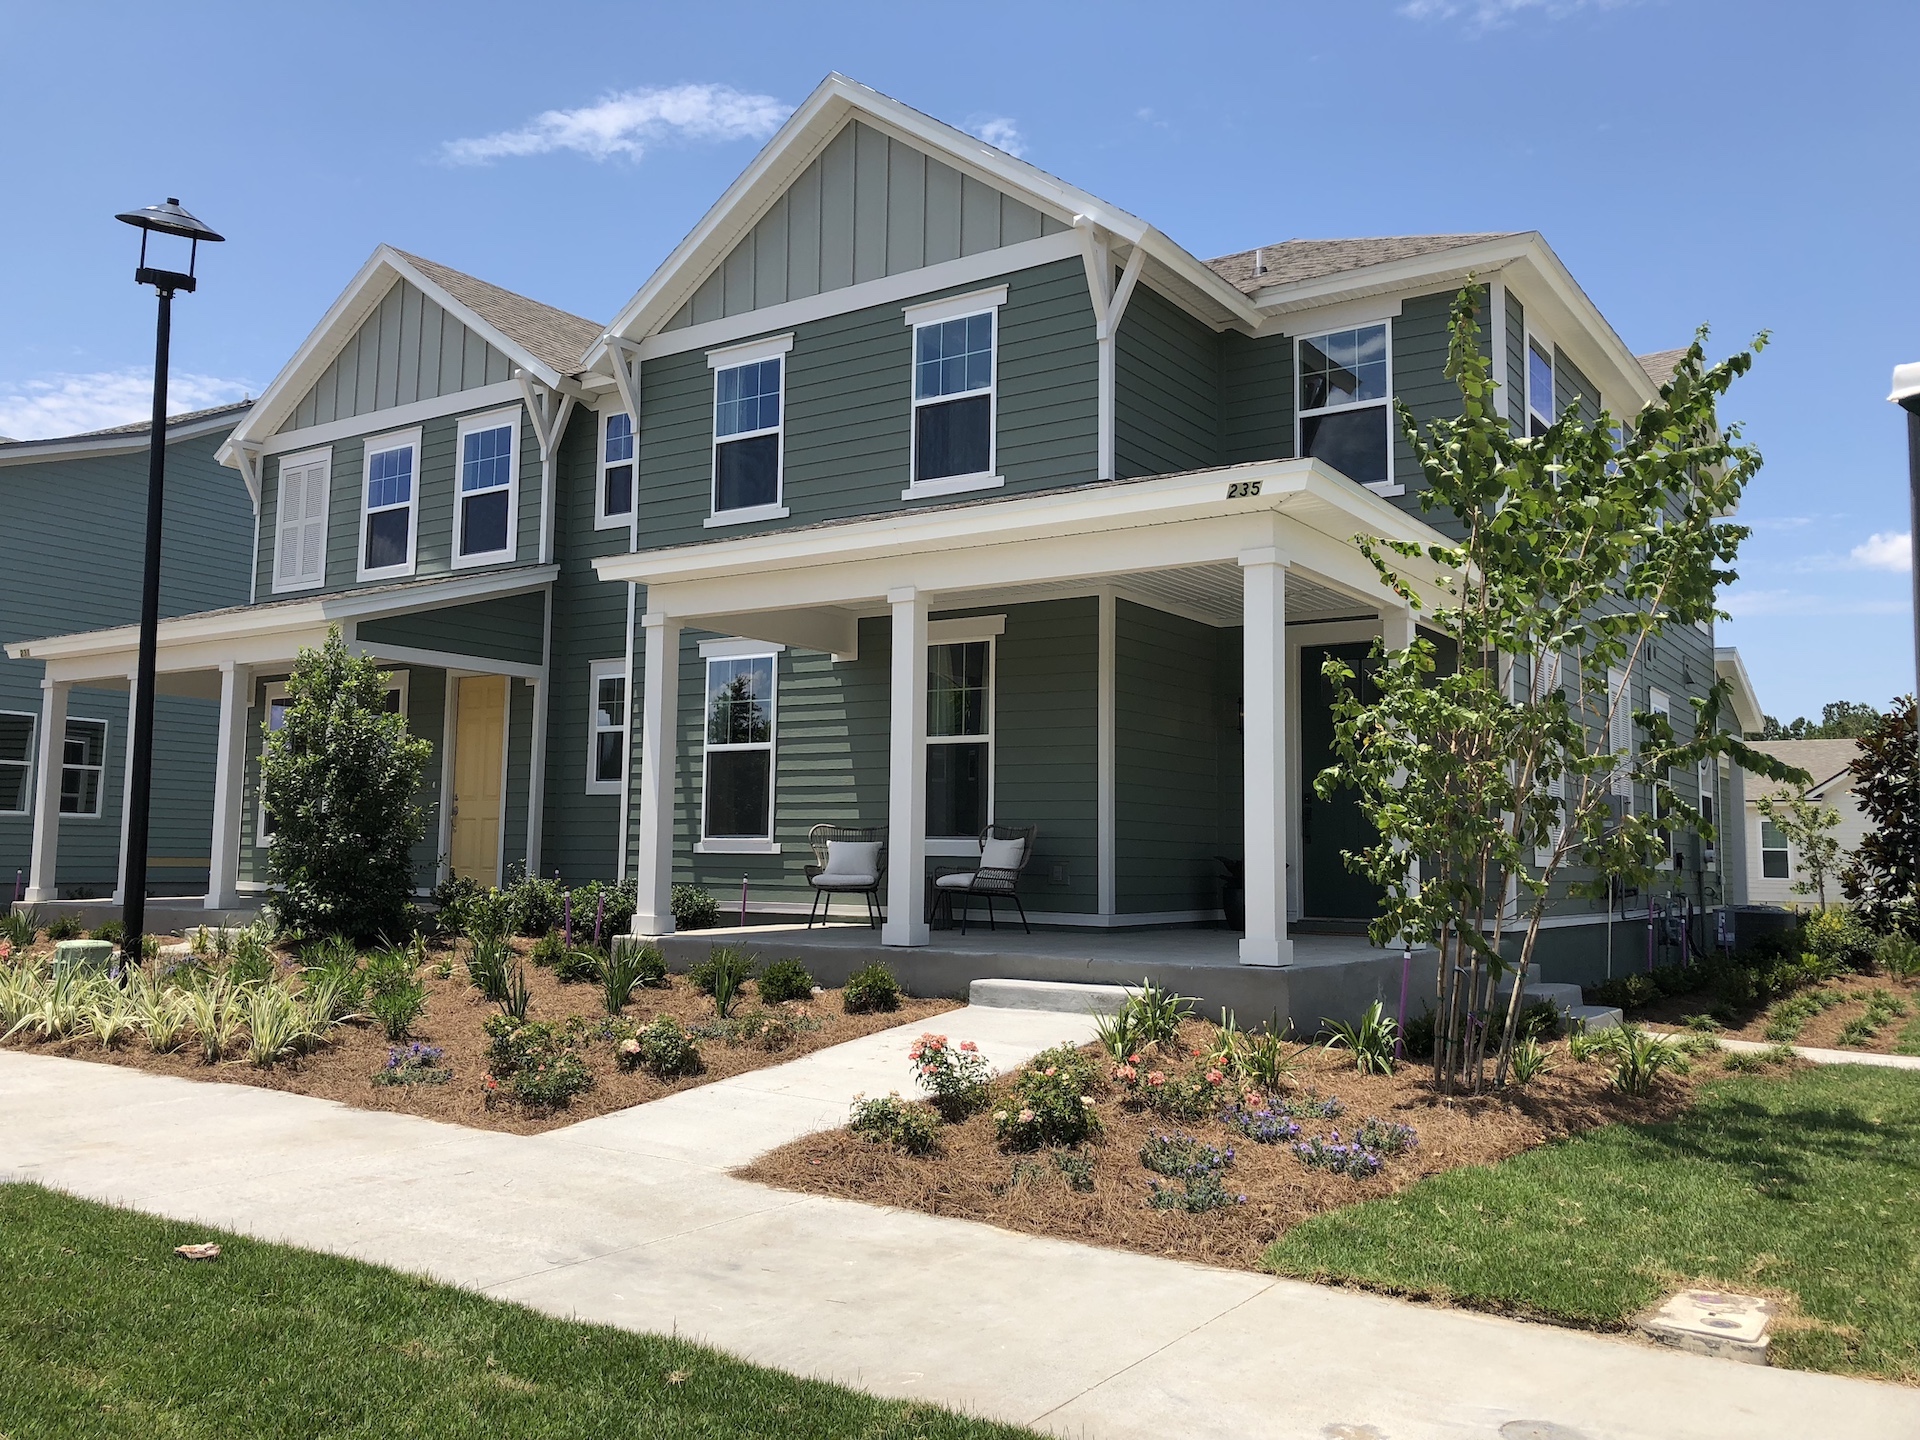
(1803, 1187)
(104, 1332)
(1909, 1042)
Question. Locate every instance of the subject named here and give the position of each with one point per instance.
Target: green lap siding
(513, 851)
(1166, 389)
(511, 628)
(1256, 398)
(1516, 362)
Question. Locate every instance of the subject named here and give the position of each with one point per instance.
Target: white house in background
(1773, 865)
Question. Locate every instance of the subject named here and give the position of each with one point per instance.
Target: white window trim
(510, 419)
(598, 670)
(972, 630)
(322, 457)
(604, 519)
(274, 690)
(743, 844)
(936, 312)
(27, 765)
(1659, 703)
(1545, 342)
(1387, 486)
(732, 357)
(377, 445)
(100, 792)
(1784, 848)
(732, 649)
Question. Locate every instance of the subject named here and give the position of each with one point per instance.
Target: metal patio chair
(848, 860)
(1005, 851)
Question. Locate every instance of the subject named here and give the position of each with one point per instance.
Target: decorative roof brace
(626, 375)
(1109, 305)
(550, 408)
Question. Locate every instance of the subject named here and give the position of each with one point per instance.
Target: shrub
(1182, 1095)
(450, 899)
(1540, 1020)
(869, 989)
(1882, 878)
(1385, 1137)
(722, 975)
(1052, 1102)
(398, 1007)
(1352, 1160)
(602, 911)
(1260, 1125)
(416, 1065)
(1181, 1157)
(1837, 937)
(785, 980)
(111, 931)
(651, 963)
(664, 1047)
(1077, 1168)
(533, 905)
(1624, 992)
(954, 1075)
(580, 966)
(64, 927)
(548, 950)
(338, 779)
(694, 908)
(1199, 1194)
(252, 962)
(1897, 954)
(389, 969)
(889, 1120)
(534, 1061)
(1418, 1038)
(1371, 1040)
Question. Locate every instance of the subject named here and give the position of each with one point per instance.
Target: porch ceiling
(1211, 594)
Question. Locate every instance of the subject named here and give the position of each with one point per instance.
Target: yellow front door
(480, 730)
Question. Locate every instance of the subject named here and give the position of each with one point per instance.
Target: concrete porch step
(1597, 1017)
(1057, 995)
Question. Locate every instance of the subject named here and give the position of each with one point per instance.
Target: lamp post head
(1906, 387)
(168, 219)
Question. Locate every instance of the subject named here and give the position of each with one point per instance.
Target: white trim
(745, 516)
(310, 460)
(481, 397)
(124, 442)
(381, 445)
(1384, 405)
(1105, 755)
(1497, 338)
(953, 307)
(598, 670)
(966, 628)
(26, 765)
(1345, 315)
(1536, 336)
(771, 654)
(951, 485)
(777, 510)
(736, 847)
(730, 648)
(603, 518)
(508, 419)
(751, 352)
(443, 660)
(626, 789)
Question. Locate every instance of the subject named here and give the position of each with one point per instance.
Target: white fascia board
(1395, 275)
(321, 611)
(460, 402)
(32, 452)
(1728, 666)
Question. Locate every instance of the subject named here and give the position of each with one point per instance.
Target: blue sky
(1746, 165)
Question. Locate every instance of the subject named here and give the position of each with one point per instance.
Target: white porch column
(50, 754)
(126, 793)
(1396, 626)
(653, 914)
(1263, 575)
(229, 769)
(907, 774)
(1105, 806)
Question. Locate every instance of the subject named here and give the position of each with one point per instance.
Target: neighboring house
(917, 487)
(1773, 863)
(75, 511)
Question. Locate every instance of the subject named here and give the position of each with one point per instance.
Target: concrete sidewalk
(630, 1220)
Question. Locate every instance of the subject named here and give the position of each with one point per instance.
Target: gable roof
(1290, 261)
(1825, 760)
(555, 337)
(121, 439)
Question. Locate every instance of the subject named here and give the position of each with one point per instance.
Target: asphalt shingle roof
(1661, 364)
(1292, 261)
(235, 408)
(553, 337)
(1824, 760)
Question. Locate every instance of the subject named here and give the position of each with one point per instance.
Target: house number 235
(1243, 489)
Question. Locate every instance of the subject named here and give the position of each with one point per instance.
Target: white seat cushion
(824, 881)
(850, 863)
(961, 880)
(1002, 854)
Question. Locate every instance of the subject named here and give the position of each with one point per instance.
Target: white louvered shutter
(1620, 732)
(300, 549)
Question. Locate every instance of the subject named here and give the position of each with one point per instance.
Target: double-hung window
(607, 726)
(1775, 863)
(1345, 404)
(616, 471)
(83, 767)
(959, 738)
(487, 505)
(390, 506)
(738, 768)
(749, 391)
(954, 345)
(1540, 407)
(300, 527)
(16, 762)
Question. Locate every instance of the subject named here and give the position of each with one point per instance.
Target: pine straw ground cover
(355, 1052)
(972, 1176)
(1837, 1014)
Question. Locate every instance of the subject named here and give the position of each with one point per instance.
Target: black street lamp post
(167, 219)
(1906, 394)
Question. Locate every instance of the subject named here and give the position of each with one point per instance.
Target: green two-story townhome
(917, 489)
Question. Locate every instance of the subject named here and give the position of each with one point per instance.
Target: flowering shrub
(534, 1062)
(1384, 1137)
(1355, 1161)
(890, 1120)
(1199, 1193)
(417, 1064)
(1181, 1095)
(1259, 1124)
(1311, 1107)
(1181, 1157)
(954, 1075)
(1052, 1102)
(664, 1047)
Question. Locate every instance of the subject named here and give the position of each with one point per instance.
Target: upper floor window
(16, 762)
(749, 392)
(954, 425)
(487, 506)
(616, 470)
(1345, 409)
(389, 506)
(738, 763)
(607, 727)
(1540, 406)
(300, 531)
(83, 767)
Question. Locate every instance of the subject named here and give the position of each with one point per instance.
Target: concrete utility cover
(1714, 1322)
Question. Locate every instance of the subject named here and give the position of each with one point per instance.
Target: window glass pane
(956, 789)
(13, 788)
(740, 700)
(1344, 368)
(484, 527)
(617, 498)
(389, 478)
(619, 437)
(1354, 442)
(953, 357)
(952, 438)
(609, 702)
(86, 742)
(607, 747)
(387, 538)
(739, 793)
(746, 398)
(277, 713)
(485, 459)
(16, 737)
(957, 689)
(1773, 864)
(84, 753)
(392, 703)
(746, 473)
(1539, 382)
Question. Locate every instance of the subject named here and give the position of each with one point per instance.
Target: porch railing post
(653, 909)
(50, 753)
(907, 774)
(223, 865)
(1263, 574)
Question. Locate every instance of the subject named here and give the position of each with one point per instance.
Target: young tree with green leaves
(1883, 878)
(1522, 770)
(1807, 825)
(338, 780)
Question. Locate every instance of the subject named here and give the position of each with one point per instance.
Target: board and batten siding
(408, 349)
(867, 207)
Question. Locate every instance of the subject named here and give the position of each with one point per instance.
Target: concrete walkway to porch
(631, 1220)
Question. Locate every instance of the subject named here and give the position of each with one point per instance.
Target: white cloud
(1491, 14)
(1750, 604)
(628, 121)
(74, 404)
(1000, 131)
(1885, 551)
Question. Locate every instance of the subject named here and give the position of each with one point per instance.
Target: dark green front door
(1328, 889)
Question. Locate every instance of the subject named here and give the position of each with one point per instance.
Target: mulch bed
(1822, 1030)
(343, 1069)
(972, 1177)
